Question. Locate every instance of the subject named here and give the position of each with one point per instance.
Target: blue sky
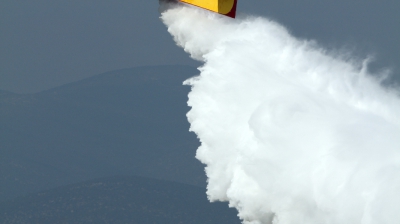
(46, 43)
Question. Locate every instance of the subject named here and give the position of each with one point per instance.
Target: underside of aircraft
(224, 7)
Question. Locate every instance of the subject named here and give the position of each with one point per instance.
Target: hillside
(118, 200)
(124, 122)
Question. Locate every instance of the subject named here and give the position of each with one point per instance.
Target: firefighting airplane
(224, 7)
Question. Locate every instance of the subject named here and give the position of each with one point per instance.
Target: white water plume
(289, 132)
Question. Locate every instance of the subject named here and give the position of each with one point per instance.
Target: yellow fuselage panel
(220, 6)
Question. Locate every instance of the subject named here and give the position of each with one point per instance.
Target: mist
(290, 132)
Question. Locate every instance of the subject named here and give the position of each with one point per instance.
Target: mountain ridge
(126, 122)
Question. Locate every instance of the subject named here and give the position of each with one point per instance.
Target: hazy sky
(45, 43)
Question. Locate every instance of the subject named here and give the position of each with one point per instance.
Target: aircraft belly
(220, 6)
(210, 5)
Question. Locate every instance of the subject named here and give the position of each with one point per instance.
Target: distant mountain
(124, 122)
(118, 200)
(4, 93)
